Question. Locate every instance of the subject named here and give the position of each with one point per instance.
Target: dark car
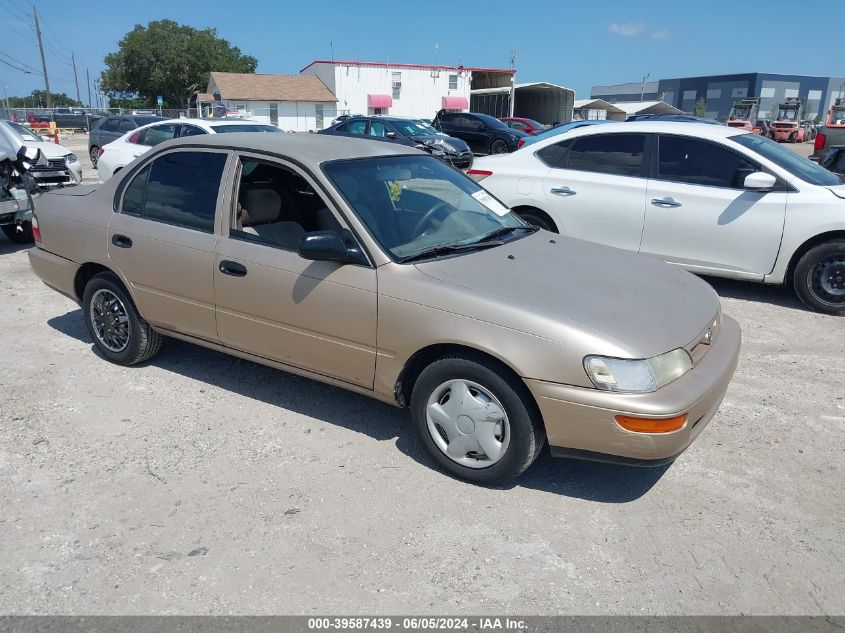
(834, 160)
(109, 128)
(411, 132)
(483, 133)
(689, 118)
(68, 118)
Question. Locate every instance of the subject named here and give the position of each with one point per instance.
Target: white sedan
(122, 151)
(712, 199)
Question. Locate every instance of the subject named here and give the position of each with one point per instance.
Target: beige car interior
(277, 206)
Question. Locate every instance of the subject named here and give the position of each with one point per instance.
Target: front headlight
(71, 158)
(637, 376)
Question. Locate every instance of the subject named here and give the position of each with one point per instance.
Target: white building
(291, 102)
(410, 90)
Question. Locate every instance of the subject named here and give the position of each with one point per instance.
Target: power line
(23, 70)
(17, 61)
(13, 7)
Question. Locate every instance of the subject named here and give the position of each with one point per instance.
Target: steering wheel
(426, 218)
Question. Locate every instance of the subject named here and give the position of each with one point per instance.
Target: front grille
(57, 163)
(697, 349)
(783, 125)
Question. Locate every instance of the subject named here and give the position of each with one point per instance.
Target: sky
(576, 45)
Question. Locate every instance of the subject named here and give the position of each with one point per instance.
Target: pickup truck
(71, 118)
(828, 136)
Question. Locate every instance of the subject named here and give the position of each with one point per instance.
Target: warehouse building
(720, 92)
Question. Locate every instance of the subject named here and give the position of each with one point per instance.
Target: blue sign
(160, 101)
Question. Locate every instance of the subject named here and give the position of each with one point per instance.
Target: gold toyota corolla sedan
(382, 270)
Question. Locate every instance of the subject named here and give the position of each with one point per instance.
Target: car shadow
(783, 296)
(591, 481)
(7, 246)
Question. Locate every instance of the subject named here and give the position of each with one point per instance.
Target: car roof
(310, 149)
(689, 128)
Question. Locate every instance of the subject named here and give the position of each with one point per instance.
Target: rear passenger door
(162, 238)
(596, 187)
(699, 214)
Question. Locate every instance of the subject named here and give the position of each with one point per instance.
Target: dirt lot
(200, 483)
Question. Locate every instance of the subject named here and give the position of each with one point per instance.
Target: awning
(379, 101)
(455, 103)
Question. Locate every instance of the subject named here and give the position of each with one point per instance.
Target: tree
(169, 60)
(700, 108)
(38, 100)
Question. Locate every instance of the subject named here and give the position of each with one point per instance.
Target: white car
(712, 199)
(122, 151)
(64, 168)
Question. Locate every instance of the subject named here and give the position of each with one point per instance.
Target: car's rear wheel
(19, 233)
(119, 332)
(94, 153)
(499, 146)
(477, 421)
(819, 278)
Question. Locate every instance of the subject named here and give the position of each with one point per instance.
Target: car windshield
(24, 133)
(491, 122)
(413, 128)
(787, 114)
(533, 123)
(257, 127)
(838, 116)
(413, 205)
(797, 165)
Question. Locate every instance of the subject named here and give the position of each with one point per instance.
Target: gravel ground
(203, 484)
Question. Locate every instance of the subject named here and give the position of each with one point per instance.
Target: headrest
(262, 205)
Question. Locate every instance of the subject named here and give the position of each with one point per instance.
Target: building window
(318, 113)
(714, 94)
(396, 82)
(689, 95)
(453, 82)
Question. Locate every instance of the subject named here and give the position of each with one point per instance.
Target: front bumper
(580, 421)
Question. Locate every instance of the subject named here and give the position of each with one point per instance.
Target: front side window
(179, 188)
(796, 165)
(112, 124)
(377, 128)
(695, 162)
(252, 127)
(413, 205)
(358, 126)
(617, 154)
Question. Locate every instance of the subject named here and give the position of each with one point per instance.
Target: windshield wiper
(503, 231)
(446, 249)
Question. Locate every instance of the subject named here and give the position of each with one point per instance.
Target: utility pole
(75, 78)
(43, 61)
(88, 80)
(513, 84)
(642, 86)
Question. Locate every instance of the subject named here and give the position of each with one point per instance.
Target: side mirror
(759, 181)
(329, 246)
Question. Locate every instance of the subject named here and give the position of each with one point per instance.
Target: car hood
(50, 150)
(642, 305)
(838, 191)
(456, 143)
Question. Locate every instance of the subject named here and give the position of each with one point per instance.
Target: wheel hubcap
(468, 423)
(110, 320)
(829, 279)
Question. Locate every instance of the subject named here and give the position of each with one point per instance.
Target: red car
(529, 126)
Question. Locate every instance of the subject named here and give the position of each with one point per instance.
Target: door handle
(666, 203)
(232, 268)
(121, 240)
(562, 191)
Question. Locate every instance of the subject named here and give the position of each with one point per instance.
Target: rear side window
(110, 125)
(695, 162)
(179, 188)
(152, 136)
(126, 125)
(357, 127)
(617, 154)
(555, 155)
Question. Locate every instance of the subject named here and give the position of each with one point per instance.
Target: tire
(793, 137)
(19, 237)
(537, 218)
(819, 278)
(516, 427)
(142, 341)
(94, 154)
(499, 146)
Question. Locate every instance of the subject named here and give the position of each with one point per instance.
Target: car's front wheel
(476, 420)
(119, 332)
(819, 278)
(19, 233)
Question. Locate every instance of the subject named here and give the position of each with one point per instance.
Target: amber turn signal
(651, 425)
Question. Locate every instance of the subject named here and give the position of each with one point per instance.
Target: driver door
(270, 302)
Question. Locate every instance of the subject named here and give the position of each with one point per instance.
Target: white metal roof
(647, 107)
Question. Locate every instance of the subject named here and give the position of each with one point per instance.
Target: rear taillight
(478, 174)
(100, 152)
(36, 232)
(521, 143)
(134, 138)
(819, 144)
